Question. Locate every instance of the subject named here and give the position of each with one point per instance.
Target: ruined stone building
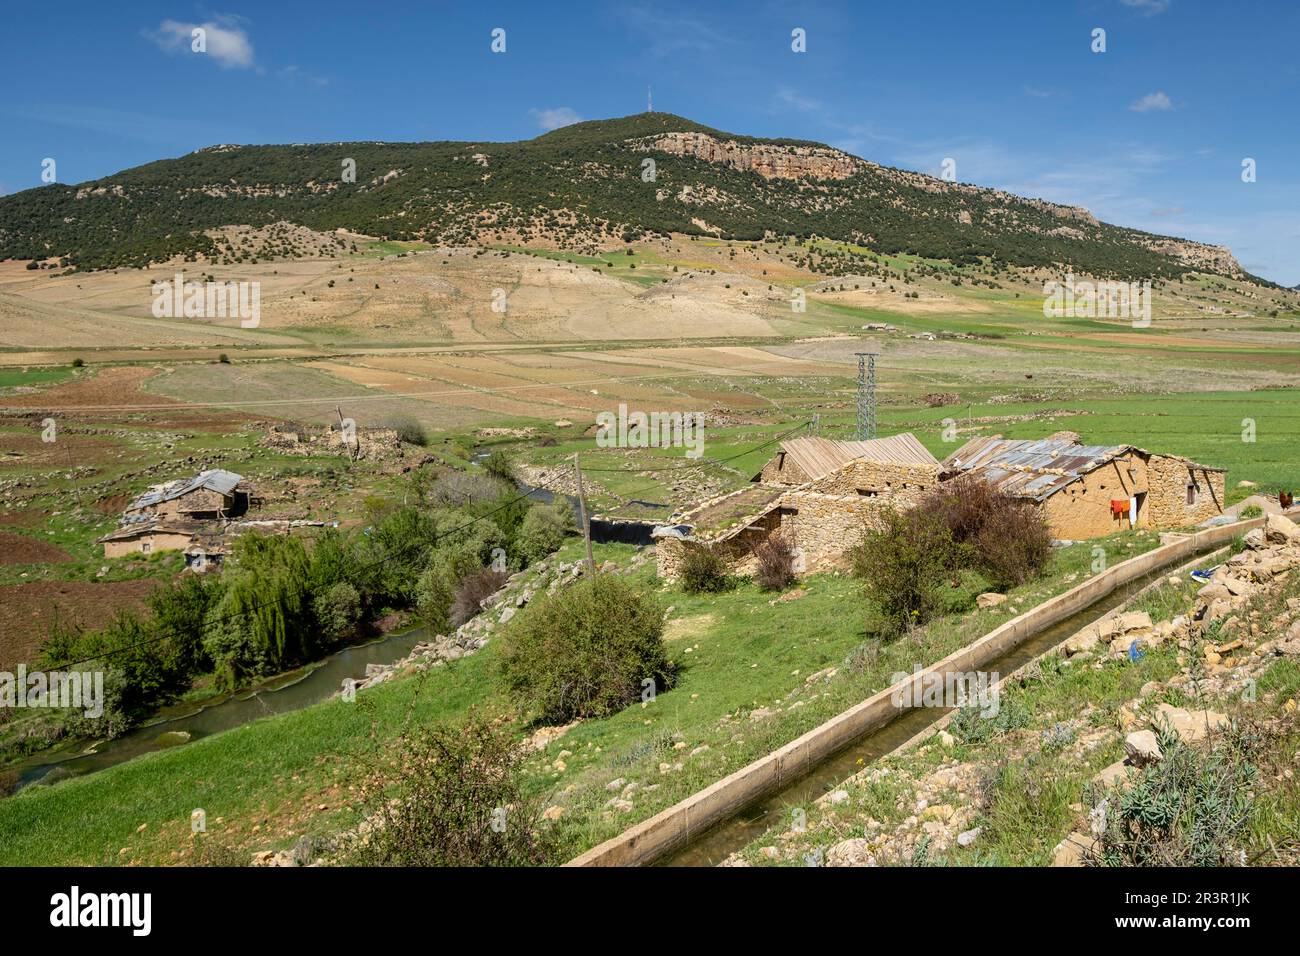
(822, 495)
(819, 494)
(181, 515)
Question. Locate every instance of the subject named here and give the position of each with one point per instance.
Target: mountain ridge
(585, 183)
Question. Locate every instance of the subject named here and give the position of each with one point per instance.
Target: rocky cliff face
(769, 160)
(1197, 255)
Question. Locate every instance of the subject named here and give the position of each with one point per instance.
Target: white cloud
(1152, 101)
(796, 100)
(1147, 7)
(555, 118)
(226, 40)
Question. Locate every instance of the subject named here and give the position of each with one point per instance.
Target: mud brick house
(819, 494)
(208, 496)
(149, 536)
(1086, 491)
(179, 516)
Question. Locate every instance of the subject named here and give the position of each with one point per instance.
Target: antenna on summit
(649, 101)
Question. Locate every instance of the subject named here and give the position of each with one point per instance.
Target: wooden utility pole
(582, 515)
(343, 433)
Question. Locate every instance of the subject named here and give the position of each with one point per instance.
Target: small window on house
(146, 547)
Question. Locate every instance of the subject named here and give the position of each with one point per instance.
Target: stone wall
(820, 526)
(782, 470)
(1167, 501)
(879, 479)
(199, 501)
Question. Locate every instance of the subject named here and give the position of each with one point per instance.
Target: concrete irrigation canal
(705, 828)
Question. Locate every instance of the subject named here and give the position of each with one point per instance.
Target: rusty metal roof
(215, 479)
(818, 457)
(1032, 469)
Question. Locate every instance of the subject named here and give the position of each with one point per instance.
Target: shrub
(1252, 511)
(472, 590)
(451, 797)
(775, 556)
(1192, 808)
(223, 358)
(338, 611)
(458, 488)
(585, 651)
(263, 622)
(456, 556)
(409, 430)
(1008, 539)
(902, 564)
(78, 363)
(544, 528)
(704, 571)
(499, 466)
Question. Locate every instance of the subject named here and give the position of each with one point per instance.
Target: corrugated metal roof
(818, 457)
(216, 479)
(153, 526)
(1031, 469)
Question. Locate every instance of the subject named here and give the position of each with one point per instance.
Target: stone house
(1087, 491)
(150, 536)
(180, 516)
(210, 495)
(819, 494)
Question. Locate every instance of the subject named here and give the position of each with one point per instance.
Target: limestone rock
(1074, 850)
(855, 852)
(1142, 748)
(1279, 529)
(1190, 725)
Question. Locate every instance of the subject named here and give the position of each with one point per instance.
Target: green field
(747, 652)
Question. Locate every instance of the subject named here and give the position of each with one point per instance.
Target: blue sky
(1150, 133)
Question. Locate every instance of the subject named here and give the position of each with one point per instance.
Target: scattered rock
(1142, 748)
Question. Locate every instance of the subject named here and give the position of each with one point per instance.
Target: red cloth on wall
(1118, 506)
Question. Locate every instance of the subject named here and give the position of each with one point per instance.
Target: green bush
(465, 546)
(903, 563)
(544, 528)
(1191, 808)
(451, 797)
(338, 612)
(704, 571)
(585, 651)
(263, 622)
(1005, 538)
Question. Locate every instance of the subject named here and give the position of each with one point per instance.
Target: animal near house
(823, 495)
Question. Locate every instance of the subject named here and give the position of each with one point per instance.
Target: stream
(182, 723)
(715, 844)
